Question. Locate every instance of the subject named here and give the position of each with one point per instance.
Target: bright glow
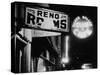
(82, 27)
(86, 66)
(65, 58)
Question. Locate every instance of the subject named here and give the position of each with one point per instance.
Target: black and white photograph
(47, 37)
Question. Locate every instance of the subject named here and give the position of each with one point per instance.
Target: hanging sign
(46, 19)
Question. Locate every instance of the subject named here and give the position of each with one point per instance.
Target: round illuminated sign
(82, 27)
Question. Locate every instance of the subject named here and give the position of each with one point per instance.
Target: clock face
(82, 27)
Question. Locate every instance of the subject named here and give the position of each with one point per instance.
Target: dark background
(81, 50)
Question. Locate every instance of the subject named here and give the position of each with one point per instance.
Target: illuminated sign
(46, 19)
(82, 27)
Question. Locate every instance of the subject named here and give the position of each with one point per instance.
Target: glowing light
(86, 66)
(82, 27)
(65, 58)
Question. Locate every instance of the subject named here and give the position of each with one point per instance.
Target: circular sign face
(82, 27)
